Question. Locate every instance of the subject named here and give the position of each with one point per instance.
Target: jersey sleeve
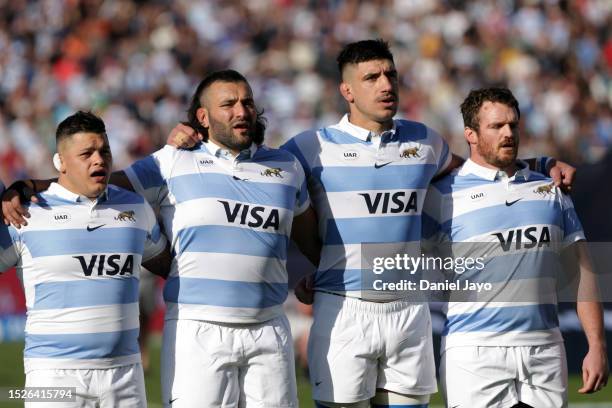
(572, 227)
(10, 244)
(149, 175)
(441, 150)
(155, 241)
(301, 146)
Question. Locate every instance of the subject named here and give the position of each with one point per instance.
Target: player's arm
(305, 234)
(563, 174)
(23, 191)
(595, 364)
(160, 264)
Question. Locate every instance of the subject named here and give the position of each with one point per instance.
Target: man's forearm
(591, 319)
(588, 305)
(40, 185)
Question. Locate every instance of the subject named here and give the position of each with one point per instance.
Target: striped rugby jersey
(518, 226)
(366, 190)
(79, 262)
(229, 221)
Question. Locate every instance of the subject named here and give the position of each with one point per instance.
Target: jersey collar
(223, 153)
(58, 190)
(470, 167)
(361, 133)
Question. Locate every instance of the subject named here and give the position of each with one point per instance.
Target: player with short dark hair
(79, 260)
(362, 346)
(503, 346)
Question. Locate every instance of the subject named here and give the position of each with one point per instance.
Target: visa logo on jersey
(104, 264)
(523, 238)
(251, 215)
(387, 202)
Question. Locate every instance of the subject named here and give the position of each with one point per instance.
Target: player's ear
(346, 91)
(58, 163)
(471, 136)
(62, 167)
(202, 115)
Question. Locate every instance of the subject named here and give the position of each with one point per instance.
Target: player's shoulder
(119, 196)
(415, 130)
(267, 153)
(539, 178)
(446, 183)
(272, 157)
(302, 140)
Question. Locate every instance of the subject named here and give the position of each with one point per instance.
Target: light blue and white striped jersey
(366, 189)
(518, 226)
(229, 221)
(79, 261)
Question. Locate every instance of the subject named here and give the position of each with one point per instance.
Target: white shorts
(478, 376)
(356, 347)
(205, 364)
(104, 388)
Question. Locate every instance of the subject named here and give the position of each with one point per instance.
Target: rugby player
(504, 348)
(79, 260)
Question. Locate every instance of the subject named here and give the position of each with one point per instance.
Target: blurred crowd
(136, 63)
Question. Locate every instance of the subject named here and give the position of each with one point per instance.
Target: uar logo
(351, 155)
(477, 196)
(61, 217)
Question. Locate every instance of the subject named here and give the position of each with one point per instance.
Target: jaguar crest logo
(411, 152)
(275, 171)
(126, 216)
(545, 190)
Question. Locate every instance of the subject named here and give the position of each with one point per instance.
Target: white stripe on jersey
(84, 319)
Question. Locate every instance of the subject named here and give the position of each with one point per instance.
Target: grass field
(11, 376)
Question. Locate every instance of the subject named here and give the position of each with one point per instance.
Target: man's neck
(234, 151)
(510, 170)
(73, 190)
(373, 126)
